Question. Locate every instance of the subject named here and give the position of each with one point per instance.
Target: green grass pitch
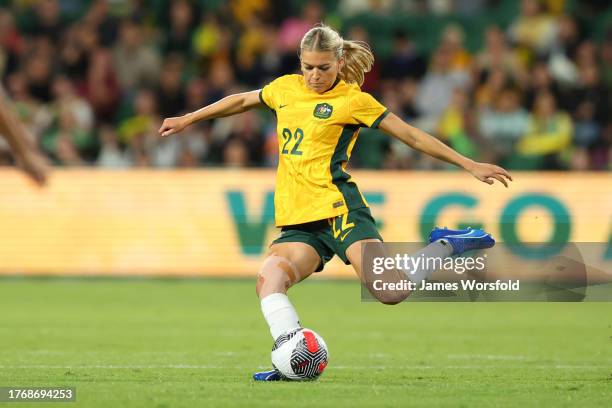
(195, 343)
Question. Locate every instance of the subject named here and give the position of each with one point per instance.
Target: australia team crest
(323, 110)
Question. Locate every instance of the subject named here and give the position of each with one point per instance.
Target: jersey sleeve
(268, 95)
(366, 110)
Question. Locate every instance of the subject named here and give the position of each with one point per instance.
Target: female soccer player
(319, 208)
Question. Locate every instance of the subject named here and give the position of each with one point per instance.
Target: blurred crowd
(93, 83)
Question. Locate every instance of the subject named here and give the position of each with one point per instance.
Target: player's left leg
(367, 278)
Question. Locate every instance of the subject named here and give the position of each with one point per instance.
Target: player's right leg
(443, 243)
(286, 264)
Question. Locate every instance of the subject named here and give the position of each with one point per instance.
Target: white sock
(438, 249)
(280, 314)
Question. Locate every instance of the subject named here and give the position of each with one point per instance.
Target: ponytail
(358, 59)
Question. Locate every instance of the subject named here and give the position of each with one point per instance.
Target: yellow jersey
(316, 134)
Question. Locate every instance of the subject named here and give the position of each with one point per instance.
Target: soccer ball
(300, 354)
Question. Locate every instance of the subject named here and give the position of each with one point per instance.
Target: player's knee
(395, 298)
(387, 296)
(392, 298)
(277, 274)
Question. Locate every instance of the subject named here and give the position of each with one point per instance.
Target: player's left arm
(423, 142)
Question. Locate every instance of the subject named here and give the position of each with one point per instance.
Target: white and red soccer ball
(300, 355)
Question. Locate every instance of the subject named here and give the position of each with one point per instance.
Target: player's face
(320, 69)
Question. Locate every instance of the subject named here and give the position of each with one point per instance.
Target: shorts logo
(323, 111)
(345, 226)
(345, 234)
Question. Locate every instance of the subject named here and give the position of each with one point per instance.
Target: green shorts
(334, 235)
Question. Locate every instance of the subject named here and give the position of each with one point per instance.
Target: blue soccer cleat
(463, 240)
(272, 375)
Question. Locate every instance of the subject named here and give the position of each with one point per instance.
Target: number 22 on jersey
(296, 138)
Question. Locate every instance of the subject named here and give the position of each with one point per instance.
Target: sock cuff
(279, 314)
(275, 301)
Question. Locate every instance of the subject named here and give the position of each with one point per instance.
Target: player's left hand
(486, 173)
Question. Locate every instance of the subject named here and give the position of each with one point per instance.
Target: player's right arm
(26, 154)
(230, 105)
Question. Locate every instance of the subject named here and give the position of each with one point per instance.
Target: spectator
(456, 125)
(47, 20)
(244, 11)
(586, 129)
(350, 8)
(35, 115)
(497, 55)
(221, 79)
(503, 123)
(12, 44)
(73, 57)
(453, 38)
(249, 48)
(271, 58)
(293, 29)
(111, 155)
(568, 37)
(590, 89)
(66, 98)
(533, 28)
(436, 89)
(39, 74)
(106, 25)
(195, 140)
(244, 129)
(548, 135)
(235, 153)
(606, 60)
(491, 85)
(561, 61)
(136, 63)
(170, 93)
(207, 38)
(68, 143)
(541, 81)
(405, 60)
(145, 118)
(102, 87)
(178, 38)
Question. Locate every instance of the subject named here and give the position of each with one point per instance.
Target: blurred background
(525, 84)
(522, 83)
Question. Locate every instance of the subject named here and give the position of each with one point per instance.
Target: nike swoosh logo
(282, 106)
(345, 234)
(471, 234)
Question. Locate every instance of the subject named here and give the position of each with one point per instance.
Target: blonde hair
(358, 57)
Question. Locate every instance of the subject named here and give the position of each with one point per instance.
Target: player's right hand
(171, 126)
(35, 166)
